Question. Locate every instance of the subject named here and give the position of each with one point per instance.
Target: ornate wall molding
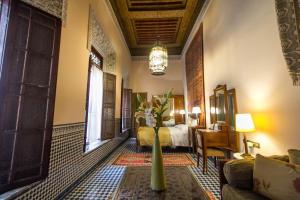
(100, 42)
(288, 16)
(57, 8)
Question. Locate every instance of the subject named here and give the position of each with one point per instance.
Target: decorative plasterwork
(100, 42)
(288, 16)
(57, 8)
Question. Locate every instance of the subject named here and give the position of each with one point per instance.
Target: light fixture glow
(196, 110)
(244, 123)
(158, 60)
(172, 113)
(182, 112)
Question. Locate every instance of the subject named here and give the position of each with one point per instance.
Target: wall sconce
(196, 110)
(172, 113)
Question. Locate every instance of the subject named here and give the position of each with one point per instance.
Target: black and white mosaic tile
(101, 183)
(68, 162)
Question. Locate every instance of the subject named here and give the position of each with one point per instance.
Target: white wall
(242, 49)
(143, 81)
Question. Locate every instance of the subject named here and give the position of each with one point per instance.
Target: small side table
(239, 156)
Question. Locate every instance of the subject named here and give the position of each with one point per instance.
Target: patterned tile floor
(103, 181)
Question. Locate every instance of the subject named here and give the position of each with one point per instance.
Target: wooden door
(27, 94)
(179, 105)
(109, 102)
(134, 106)
(126, 110)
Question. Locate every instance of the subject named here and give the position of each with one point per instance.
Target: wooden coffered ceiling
(144, 21)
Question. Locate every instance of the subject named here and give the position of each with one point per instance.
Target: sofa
(238, 182)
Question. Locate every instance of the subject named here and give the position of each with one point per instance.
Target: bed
(169, 136)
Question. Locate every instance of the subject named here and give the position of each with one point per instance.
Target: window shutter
(27, 94)
(109, 99)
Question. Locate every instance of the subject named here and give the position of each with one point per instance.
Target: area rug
(180, 184)
(144, 159)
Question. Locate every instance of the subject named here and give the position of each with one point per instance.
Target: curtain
(95, 105)
(288, 17)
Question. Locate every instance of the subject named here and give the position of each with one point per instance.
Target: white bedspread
(179, 135)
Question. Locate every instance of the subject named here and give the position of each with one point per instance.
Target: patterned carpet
(102, 182)
(144, 159)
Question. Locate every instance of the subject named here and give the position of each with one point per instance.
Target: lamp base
(247, 156)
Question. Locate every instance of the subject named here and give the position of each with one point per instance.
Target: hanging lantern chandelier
(158, 59)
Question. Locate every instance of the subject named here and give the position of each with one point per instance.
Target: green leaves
(154, 109)
(139, 98)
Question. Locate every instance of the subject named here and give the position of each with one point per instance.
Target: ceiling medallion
(158, 60)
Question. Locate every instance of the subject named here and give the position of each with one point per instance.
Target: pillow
(183, 127)
(180, 126)
(284, 158)
(276, 179)
(294, 155)
(192, 122)
(239, 173)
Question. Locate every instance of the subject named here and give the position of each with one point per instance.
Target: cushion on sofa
(294, 155)
(239, 173)
(284, 158)
(233, 193)
(276, 179)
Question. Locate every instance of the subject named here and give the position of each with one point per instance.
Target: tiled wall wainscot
(68, 162)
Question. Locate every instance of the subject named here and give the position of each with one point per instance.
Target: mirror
(221, 104)
(232, 108)
(212, 104)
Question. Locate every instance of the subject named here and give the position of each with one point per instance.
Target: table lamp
(244, 124)
(196, 110)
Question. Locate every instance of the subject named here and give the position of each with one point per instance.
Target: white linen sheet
(179, 135)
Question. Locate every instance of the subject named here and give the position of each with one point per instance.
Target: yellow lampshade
(244, 123)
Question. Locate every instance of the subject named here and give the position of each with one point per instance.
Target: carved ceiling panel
(143, 22)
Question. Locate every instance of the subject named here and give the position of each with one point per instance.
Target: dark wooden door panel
(126, 110)
(109, 99)
(134, 107)
(27, 94)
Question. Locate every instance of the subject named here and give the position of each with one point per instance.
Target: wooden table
(214, 138)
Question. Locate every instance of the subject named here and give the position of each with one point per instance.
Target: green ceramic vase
(158, 182)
